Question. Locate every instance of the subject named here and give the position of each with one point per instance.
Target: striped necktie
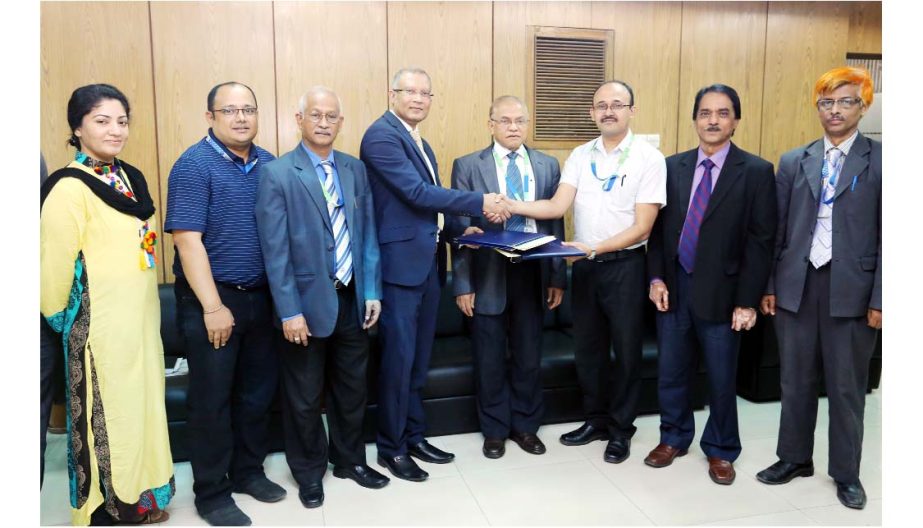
(822, 243)
(514, 192)
(343, 257)
(690, 236)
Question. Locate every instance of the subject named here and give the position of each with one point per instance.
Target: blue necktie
(343, 257)
(690, 237)
(514, 191)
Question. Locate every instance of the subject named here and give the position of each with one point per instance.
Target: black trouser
(608, 307)
(337, 362)
(810, 341)
(52, 354)
(230, 392)
(509, 386)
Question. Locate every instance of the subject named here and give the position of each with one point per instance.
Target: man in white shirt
(504, 299)
(617, 184)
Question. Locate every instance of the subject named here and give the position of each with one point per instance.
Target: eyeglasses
(706, 114)
(316, 118)
(248, 111)
(615, 107)
(506, 123)
(414, 93)
(845, 103)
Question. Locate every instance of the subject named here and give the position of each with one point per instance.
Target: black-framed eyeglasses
(844, 102)
(229, 111)
(615, 107)
(414, 93)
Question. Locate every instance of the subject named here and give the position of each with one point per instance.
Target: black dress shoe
(228, 515)
(852, 495)
(617, 450)
(429, 453)
(494, 447)
(782, 472)
(261, 489)
(363, 475)
(312, 495)
(403, 467)
(529, 443)
(583, 435)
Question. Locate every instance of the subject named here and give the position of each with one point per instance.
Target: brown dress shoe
(721, 471)
(663, 455)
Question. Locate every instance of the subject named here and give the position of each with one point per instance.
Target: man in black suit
(826, 284)
(709, 258)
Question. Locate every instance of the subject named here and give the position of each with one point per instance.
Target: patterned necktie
(690, 237)
(822, 243)
(415, 134)
(514, 192)
(343, 257)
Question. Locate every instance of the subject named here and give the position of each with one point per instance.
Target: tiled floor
(565, 486)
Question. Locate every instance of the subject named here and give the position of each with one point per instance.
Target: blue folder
(552, 249)
(508, 240)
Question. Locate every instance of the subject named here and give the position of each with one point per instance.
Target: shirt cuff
(289, 318)
(656, 279)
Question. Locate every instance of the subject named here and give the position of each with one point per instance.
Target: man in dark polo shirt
(224, 310)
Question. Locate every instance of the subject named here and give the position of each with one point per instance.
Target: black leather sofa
(449, 393)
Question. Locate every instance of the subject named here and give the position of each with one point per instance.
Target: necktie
(415, 134)
(690, 236)
(514, 192)
(342, 256)
(822, 243)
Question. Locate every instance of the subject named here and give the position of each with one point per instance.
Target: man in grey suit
(825, 291)
(505, 299)
(317, 232)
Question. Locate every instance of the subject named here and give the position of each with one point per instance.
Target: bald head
(317, 91)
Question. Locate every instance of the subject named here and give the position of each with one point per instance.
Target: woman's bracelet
(218, 309)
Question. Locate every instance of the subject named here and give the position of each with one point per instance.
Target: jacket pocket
(869, 263)
(395, 234)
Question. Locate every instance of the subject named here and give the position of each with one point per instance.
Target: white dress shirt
(429, 166)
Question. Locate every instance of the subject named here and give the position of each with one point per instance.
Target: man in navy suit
(409, 208)
(317, 231)
(505, 299)
(708, 259)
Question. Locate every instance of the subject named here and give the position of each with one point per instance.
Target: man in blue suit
(317, 231)
(409, 208)
(504, 299)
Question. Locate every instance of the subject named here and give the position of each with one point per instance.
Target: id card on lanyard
(246, 168)
(609, 182)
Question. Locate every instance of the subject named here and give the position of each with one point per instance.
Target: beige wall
(771, 52)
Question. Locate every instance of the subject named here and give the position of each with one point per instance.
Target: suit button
(805, 259)
(329, 248)
(332, 276)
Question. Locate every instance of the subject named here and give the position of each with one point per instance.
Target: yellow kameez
(123, 349)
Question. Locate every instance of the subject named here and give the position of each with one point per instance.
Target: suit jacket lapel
(540, 173)
(487, 168)
(727, 177)
(348, 186)
(686, 177)
(811, 165)
(854, 165)
(308, 177)
(405, 135)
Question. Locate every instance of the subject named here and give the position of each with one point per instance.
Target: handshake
(498, 208)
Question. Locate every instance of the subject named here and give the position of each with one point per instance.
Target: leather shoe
(229, 515)
(529, 442)
(403, 467)
(782, 472)
(312, 495)
(663, 455)
(429, 453)
(262, 489)
(721, 471)
(363, 475)
(617, 450)
(583, 435)
(851, 495)
(494, 447)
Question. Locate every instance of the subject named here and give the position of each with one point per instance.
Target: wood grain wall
(170, 53)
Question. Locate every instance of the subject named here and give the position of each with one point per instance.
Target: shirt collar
(234, 157)
(844, 146)
(315, 159)
(408, 127)
(718, 158)
(598, 144)
(503, 152)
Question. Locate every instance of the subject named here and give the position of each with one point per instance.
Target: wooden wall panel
(452, 42)
(197, 45)
(803, 41)
(642, 29)
(864, 28)
(309, 53)
(723, 42)
(74, 53)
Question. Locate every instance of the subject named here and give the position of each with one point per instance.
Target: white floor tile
(469, 457)
(790, 518)
(840, 515)
(569, 493)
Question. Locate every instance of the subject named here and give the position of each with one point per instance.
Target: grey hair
(317, 89)
(507, 99)
(413, 69)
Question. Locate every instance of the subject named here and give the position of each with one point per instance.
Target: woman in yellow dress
(99, 290)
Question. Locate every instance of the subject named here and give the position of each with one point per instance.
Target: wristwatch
(592, 255)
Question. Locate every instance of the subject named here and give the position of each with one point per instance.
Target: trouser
(52, 355)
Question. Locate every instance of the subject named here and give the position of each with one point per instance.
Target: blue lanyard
(243, 168)
(610, 181)
(336, 185)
